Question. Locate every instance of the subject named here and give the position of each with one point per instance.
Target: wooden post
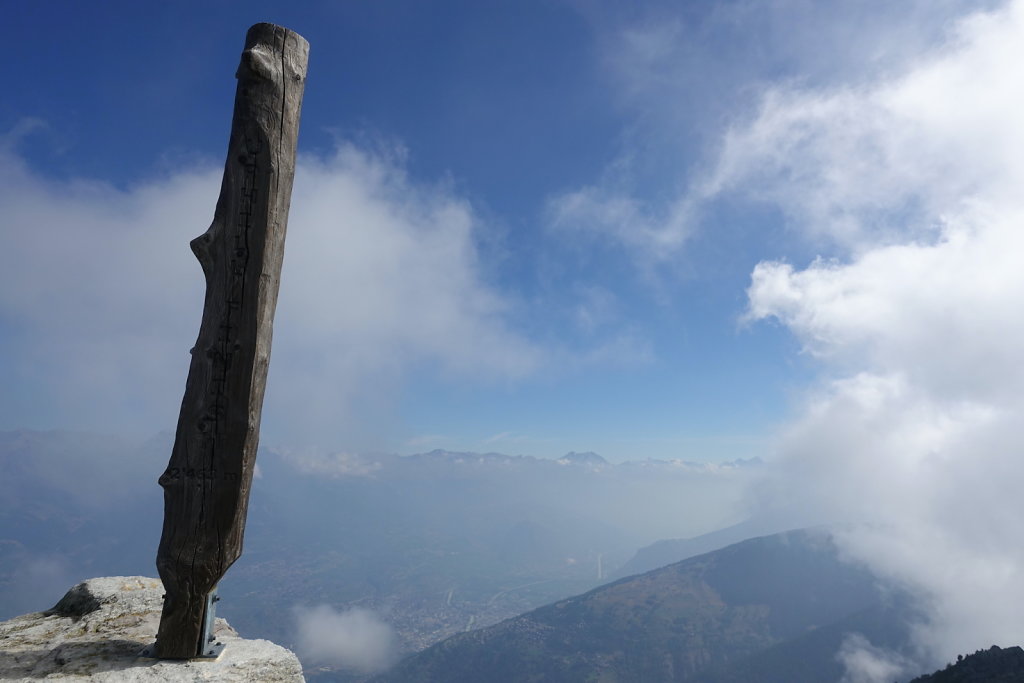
(207, 481)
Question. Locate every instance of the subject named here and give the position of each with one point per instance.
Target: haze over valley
(424, 546)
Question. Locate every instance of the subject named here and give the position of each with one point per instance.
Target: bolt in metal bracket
(208, 646)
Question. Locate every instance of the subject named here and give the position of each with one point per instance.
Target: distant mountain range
(589, 459)
(435, 543)
(774, 608)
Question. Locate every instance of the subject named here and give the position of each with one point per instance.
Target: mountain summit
(589, 458)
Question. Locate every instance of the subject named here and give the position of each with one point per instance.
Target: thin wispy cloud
(621, 218)
(700, 112)
(502, 436)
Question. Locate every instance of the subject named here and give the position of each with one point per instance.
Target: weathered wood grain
(207, 481)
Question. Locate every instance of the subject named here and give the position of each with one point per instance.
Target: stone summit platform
(99, 628)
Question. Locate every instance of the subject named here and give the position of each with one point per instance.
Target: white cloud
(886, 161)
(865, 663)
(100, 297)
(354, 639)
(381, 274)
(97, 295)
(940, 313)
(914, 179)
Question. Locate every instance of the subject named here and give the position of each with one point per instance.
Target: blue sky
(612, 323)
(703, 230)
(503, 106)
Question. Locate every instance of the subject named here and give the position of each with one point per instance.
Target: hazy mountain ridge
(672, 550)
(344, 464)
(723, 616)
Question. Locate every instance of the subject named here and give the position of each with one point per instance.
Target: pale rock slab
(99, 628)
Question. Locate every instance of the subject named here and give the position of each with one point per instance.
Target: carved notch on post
(209, 476)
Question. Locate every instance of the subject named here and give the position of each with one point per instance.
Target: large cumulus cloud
(100, 297)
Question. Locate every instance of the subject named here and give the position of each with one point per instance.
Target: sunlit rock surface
(99, 628)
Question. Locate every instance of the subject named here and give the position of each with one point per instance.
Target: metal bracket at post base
(208, 646)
